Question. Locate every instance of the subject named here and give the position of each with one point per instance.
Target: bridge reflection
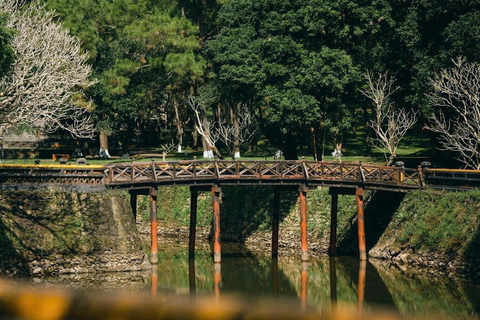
(276, 282)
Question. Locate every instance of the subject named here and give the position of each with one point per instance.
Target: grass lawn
(413, 149)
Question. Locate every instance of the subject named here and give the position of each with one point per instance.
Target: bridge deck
(140, 175)
(144, 175)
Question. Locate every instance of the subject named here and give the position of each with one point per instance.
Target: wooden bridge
(209, 175)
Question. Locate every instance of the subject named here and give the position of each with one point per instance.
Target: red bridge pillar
(217, 251)
(153, 225)
(362, 271)
(362, 248)
(303, 221)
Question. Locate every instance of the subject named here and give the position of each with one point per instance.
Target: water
(321, 283)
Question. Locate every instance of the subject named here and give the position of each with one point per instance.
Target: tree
(456, 91)
(296, 62)
(42, 89)
(146, 57)
(7, 52)
(389, 123)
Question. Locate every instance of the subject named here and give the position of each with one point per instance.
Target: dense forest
(216, 75)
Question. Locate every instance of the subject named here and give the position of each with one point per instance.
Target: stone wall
(49, 232)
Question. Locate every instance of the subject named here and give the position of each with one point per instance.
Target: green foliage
(433, 221)
(270, 54)
(142, 53)
(7, 53)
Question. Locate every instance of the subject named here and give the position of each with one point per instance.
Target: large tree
(7, 52)
(456, 93)
(297, 62)
(146, 57)
(43, 86)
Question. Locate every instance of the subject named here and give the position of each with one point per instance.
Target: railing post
(400, 174)
(195, 167)
(304, 168)
(303, 221)
(153, 225)
(154, 174)
(360, 168)
(422, 170)
(132, 173)
(217, 173)
(362, 248)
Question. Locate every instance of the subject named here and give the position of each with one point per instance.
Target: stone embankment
(52, 232)
(429, 228)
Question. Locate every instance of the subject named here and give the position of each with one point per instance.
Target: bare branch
(457, 90)
(49, 69)
(389, 124)
(204, 127)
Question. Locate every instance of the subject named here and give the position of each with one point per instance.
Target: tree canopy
(297, 66)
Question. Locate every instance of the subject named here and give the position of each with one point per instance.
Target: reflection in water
(191, 276)
(154, 281)
(321, 283)
(303, 290)
(362, 272)
(333, 285)
(275, 276)
(217, 278)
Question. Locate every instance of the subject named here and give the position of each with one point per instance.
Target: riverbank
(437, 229)
(54, 232)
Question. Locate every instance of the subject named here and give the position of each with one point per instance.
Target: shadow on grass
(380, 206)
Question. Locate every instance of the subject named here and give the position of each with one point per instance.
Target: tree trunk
(104, 154)
(195, 138)
(236, 126)
(103, 140)
(179, 125)
(290, 148)
(314, 143)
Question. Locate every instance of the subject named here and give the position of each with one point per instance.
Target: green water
(319, 283)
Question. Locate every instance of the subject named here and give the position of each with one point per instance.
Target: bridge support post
(133, 204)
(153, 225)
(275, 221)
(217, 278)
(303, 286)
(362, 271)
(191, 277)
(362, 248)
(333, 286)
(332, 249)
(217, 251)
(303, 221)
(193, 222)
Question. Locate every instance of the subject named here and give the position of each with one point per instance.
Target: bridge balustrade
(274, 171)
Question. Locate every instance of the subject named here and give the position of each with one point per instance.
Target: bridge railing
(117, 174)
